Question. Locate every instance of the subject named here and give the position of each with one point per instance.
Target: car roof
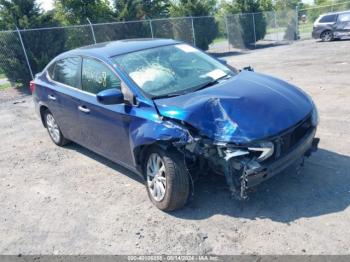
(114, 48)
(335, 13)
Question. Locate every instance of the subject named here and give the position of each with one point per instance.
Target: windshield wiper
(199, 87)
(211, 83)
(167, 95)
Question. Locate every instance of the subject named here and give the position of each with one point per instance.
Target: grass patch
(219, 40)
(2, 75)
(306, 28)
(5, 86)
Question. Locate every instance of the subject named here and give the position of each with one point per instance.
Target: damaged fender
(158, 131)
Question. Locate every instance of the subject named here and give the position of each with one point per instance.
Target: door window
(328, 19)
(344, 17)
(66, 71)
(97, 77)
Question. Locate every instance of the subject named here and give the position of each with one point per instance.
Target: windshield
(172, 70)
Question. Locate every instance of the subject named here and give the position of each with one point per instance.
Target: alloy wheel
(53, 129)
(327, 36)
(156, 178)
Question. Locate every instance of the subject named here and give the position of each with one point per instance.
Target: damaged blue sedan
(172, 113)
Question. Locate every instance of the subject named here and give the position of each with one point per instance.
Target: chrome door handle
(51, 97)
(84, 109)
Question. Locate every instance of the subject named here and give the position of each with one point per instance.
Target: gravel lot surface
(71, 201)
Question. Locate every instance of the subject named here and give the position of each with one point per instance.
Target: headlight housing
(265, 150)
(261, 151)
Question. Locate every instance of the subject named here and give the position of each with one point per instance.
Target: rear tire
(327, 36)
(54, 130)
(167, 181)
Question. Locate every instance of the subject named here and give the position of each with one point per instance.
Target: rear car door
(343, 25)
(64, 79)
(104, 128)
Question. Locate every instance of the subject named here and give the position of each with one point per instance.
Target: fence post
(25, 53)
(297, 22)
(227, 34)
(254, 30)
(276, 29)
(193, 33)
(92, 30)
(151, 27)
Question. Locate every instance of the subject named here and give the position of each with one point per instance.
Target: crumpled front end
(246, 166)
(247, 171)
(248, 128)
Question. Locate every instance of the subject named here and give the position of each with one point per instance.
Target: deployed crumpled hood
(247, 107)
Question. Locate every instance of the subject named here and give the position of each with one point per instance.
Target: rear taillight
(32, 86)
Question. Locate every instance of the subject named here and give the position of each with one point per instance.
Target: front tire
(54, 130)
(327, 36)
(167, 180)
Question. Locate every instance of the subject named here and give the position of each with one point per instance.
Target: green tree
(288, 4)
(19, 13)
(286, 13)
(267, 5)
(324, 2)
(77, 11)
(127, 10)
(124, 10)
(205, 28)
(155, 8)
(41, 46)
(248, 27)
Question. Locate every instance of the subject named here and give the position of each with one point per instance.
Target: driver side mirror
(110, 96)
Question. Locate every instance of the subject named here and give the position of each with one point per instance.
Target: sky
(48, 4)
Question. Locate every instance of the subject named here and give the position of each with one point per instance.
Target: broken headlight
(264, 150)
(261, 151)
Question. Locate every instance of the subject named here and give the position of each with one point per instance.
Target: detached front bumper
(304, 148)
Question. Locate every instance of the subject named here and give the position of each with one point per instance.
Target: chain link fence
(25, 52)
(13, 62)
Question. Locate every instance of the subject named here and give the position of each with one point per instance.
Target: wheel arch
(42, 110)
(145, 134)
(140, 152)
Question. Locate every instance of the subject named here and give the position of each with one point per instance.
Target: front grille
(287, 141)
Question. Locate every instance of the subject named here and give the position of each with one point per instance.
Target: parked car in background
(332, 26)
(171, 113)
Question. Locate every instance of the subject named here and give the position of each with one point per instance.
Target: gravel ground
(71, 201)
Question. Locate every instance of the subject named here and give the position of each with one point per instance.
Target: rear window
(66, 71)
(328, 19)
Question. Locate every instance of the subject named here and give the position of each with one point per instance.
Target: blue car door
(104, 128)
(63, 82)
